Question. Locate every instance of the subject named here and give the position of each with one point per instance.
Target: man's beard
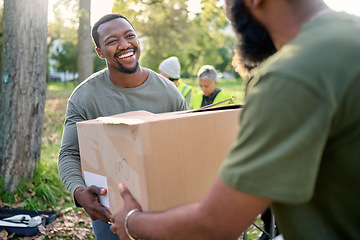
(123, 69)
(254, 42)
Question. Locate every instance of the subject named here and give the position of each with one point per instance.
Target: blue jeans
(102, 231)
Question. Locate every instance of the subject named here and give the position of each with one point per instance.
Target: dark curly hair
(104, 19)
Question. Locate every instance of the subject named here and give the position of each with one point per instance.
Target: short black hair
(105, 19)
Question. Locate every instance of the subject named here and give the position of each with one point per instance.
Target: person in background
(170, 68)
(122, 87)
(297, 148)
(210, 93)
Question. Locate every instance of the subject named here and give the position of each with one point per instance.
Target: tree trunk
(22, 88)
(85, 44)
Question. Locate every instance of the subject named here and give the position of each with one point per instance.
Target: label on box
(99, 181)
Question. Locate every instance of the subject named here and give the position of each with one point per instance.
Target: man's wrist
(74, 197)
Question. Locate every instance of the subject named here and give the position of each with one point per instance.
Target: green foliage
(58, 90)
(162, 27)
(46, 188)
(57, 29)
(213, 46)
(99, 63)
(66, 54)
(166, 29)
(43, 190)
(66, 57)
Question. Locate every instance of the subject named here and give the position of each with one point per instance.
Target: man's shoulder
(155, 76)
(316, 49)
(92, 82)
(159, 80)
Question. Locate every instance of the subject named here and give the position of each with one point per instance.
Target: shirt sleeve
(69, 164)
(188, 96)
(183, 105)
(282, 133)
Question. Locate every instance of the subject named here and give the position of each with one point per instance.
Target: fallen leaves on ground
(71, 223)
(54, 118)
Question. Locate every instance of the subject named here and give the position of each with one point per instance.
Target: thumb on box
(124, 191)
(128, 198)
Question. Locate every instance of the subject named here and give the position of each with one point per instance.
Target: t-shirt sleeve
(282, 133)
(183, 104)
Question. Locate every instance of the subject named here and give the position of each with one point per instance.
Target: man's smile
(125, 54)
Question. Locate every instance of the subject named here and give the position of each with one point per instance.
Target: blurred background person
(170, 68)
(210, 93)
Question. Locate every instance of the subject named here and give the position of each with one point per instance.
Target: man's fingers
(101, 215)
(129, 200)
(113, 228)
(101, 191)
(106, 213)
(98, 211)
(97, 190)
(124, 191)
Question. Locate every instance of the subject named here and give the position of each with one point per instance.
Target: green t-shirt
(97, 97)
(299, 137)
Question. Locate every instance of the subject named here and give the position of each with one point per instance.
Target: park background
(195, 31)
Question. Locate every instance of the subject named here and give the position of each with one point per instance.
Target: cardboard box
(164, 159)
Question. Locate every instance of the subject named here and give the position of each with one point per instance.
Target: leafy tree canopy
(66, 30)
(165, 28)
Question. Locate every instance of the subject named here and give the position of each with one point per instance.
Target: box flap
(215, 108)
(139, 117)
(128, 118)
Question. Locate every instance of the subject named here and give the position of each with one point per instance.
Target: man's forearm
(70, 172)
(224, 214)
(185, 222)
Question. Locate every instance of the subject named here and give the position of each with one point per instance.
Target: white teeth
(126, 55)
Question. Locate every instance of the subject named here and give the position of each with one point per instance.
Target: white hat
(171, 67)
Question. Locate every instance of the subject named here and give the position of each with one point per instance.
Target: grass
(45, 191)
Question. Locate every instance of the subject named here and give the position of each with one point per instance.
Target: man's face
(254, 42)
(119, 45)
(207, 86)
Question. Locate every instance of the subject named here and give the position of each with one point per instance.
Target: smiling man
(297, 148)
(122, 87)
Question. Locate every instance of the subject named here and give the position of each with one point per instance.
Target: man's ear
(99, 53)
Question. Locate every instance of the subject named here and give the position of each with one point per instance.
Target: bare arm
(223, 214)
